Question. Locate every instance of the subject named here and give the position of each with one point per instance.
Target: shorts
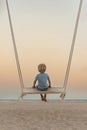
(41, 89)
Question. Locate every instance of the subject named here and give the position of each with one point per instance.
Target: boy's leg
(45, 97)
(42, 98)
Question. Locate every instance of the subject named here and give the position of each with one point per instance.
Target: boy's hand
(33, 86)
(49, 86)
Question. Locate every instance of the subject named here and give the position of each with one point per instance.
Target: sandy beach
(43, 115)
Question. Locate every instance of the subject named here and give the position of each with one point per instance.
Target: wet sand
(43, 115)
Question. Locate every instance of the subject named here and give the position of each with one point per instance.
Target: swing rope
(15, 48)
(72, 47)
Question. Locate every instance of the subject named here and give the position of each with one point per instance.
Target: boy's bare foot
(44, 99)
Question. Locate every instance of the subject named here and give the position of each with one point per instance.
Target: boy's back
(42, 79)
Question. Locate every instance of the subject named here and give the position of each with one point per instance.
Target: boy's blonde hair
(42, 68)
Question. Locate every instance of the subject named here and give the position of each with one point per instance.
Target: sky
(43, 31)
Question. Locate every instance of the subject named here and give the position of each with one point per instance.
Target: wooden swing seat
(52, 90)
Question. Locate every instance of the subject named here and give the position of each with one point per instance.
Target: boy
(43, 80)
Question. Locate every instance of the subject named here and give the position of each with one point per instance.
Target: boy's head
(41, 68)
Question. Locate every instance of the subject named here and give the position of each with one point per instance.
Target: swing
(53, 90)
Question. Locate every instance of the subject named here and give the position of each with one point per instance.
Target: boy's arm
(49, 83)
(34, 83)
